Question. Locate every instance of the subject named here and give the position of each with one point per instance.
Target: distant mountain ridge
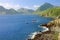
(46, 9)
(4, 11)
(25, 10)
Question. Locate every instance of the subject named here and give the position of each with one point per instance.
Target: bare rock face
(52, 34)
(44, 36)
(55, 22)
(48, 24)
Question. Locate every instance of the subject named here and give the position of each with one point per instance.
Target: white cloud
(27, 7)
(8, 6)
(17, 6)
(36, 6)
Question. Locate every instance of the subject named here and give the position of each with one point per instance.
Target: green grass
(56, 35)
(52, 12)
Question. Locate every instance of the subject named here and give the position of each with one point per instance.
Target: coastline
(53, 28)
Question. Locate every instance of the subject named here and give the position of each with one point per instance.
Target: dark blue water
(18, 27)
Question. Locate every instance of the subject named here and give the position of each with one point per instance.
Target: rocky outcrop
(53, 25)
(53, 33)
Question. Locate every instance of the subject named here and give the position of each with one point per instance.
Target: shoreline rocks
(54, 30)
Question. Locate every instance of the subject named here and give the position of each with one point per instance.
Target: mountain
(2, 8)
(12, 11)
(4, 11)
(53, 12)
(45, 6)
(48, 10)
(24, 10)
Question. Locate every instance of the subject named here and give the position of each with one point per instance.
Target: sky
(30, 4)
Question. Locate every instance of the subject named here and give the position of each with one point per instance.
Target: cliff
(52, 34)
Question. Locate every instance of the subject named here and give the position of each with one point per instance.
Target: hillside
(4, 11)
(43, 7)
(53, 12)
(48, 10)
(12, 11)
(25, 10)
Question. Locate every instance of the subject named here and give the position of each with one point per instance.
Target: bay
(18, 27)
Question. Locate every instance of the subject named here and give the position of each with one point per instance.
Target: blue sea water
(18, 27)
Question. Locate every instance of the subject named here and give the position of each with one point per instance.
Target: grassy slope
(53, 12)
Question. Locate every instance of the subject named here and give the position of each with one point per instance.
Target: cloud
(8, 6)
(27, 7)
(17, 6)
(36, 6)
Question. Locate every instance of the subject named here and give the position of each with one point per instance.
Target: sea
(18, 27)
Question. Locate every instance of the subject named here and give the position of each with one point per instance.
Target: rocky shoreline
(52, 34)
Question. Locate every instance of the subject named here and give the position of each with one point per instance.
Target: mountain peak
(2, 8)
(47, 3)
(45, 6)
